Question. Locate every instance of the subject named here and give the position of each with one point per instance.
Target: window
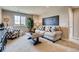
(23, 20)
(19, 20)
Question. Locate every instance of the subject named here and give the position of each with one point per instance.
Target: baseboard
(74, 40)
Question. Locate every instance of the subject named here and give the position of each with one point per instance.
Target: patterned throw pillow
(57, 28)
(52, 28)
(47, 28)
(41, 28)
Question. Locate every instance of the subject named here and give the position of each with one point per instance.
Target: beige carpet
(22, 44)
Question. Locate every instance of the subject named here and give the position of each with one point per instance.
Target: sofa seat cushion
(39, 31)
(50, 33)
(55, 34)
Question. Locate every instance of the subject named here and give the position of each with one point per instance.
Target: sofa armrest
(58, 34)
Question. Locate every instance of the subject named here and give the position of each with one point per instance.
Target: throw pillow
(57, 28)
(47, 29)
(52, 28)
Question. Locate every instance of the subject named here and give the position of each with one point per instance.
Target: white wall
(63, 18)
(76, 23)
(11, 14)
(71, 21)
(63, 15)
(0, 15)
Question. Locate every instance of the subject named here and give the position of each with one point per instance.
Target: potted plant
(29, 24)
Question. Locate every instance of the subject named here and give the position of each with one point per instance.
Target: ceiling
(37, 10)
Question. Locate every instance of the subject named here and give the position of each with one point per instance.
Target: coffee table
(35, 38)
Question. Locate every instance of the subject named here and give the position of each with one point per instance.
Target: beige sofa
(52, 33)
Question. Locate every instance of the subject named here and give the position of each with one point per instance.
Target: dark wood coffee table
(35, 38)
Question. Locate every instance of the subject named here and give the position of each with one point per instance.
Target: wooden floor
(22, 44)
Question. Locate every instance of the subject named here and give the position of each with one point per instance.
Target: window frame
(20, 20)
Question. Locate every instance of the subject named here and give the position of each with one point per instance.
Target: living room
(64, 19)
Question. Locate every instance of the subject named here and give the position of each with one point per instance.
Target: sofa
(52, 33)
(12, 34)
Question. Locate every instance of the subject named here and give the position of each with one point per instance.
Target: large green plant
(29, 23)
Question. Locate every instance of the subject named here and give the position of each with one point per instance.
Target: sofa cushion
(57, 28)
(39, 31)
(52, 28)
(53, 33)
(50, 33)
(40, 28)
(47, 28)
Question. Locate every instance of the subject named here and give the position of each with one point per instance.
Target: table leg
(37, 41)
